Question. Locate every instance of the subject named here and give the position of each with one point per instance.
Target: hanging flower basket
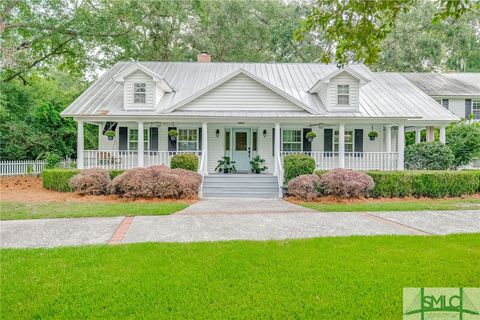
(372, 135)
(173, 134)
(110, 134)
(310, 136)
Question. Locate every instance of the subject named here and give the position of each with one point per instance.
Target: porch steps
(240, 186)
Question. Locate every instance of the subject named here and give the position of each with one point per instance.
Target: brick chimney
(204, 57)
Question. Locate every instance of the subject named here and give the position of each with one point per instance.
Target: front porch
(335, 145)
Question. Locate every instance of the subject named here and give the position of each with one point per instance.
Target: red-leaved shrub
(304, 187)
(345, 183)
(91, 182)
(158, 182)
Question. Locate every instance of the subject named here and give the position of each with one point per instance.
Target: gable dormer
(339, 91)
(142, 88)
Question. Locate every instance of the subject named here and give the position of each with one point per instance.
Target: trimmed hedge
(295, 165)
(187, 161)
(58, 179)
(433, 184)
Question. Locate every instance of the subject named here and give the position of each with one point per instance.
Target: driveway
(246, 219)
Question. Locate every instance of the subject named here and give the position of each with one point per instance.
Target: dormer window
(139, 92)
(343, 94)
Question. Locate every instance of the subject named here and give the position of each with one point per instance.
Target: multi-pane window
(187, 140)
(343, 94)
(348, 141)
(133, 139)
(476, 108)
(139, 92)
(292, 140)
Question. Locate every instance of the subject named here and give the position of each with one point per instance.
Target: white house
(245, 109)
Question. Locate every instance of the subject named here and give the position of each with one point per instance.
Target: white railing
(386, 161)
(22, 167)
(118, 159)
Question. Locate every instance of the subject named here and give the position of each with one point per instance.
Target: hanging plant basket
(372, 135)
(110, 134)
(173, 134)
(310, 136)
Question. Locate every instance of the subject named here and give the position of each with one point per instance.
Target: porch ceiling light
(264, 133)
(217, 133)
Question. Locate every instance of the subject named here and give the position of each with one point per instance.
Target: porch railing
(386, 161)
(120, 159)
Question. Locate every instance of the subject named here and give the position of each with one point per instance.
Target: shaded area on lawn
(408, 204)
(16, 210)
(342, 278)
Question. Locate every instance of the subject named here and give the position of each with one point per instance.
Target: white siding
(342, 79)
(215, 146)
(138, 77)
(457, 106)
(241, 93)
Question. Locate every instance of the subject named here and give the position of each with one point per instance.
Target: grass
(400, 205)
(16, 210)
(328, 278)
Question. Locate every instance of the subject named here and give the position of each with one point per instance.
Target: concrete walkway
(247, 219)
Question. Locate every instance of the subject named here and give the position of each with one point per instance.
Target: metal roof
(447, 84)
(386, 95)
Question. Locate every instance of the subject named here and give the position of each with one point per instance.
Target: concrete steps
(240, 186)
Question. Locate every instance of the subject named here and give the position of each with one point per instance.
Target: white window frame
(342, 94)
(336, 140)
(179, 141)
(146, 137)
(140, 92)
(476, 108)
(292, 142)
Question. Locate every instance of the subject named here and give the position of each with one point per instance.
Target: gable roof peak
(137, 66)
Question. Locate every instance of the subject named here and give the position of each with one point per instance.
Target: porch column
(204, 168)
(388, 137)
(80, 144)
(418, 136)
(277, 146)
(140, 148)
(401, 146)
(341, 145)
(430, 134)
(442, 135)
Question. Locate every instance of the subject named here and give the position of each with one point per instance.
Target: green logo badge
(441, 303)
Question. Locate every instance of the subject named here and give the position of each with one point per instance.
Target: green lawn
(16, 210)
(434, 204)
(328, 278)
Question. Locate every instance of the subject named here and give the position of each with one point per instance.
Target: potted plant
(257, 165)
(310, 136)
(372, 135)
(226, 165)
(173, 134)
(110, 134)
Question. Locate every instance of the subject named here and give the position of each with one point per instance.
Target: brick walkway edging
(118, 235)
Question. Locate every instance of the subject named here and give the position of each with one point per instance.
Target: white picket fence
(23, 167)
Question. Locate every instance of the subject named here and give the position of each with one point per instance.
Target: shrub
(428, 156)
(432, 184)
(463, 139)
(115, 172)
(296, 165)
(157, 181)
(52, 160)
(346, 183)
(58, 179)
(91, 182)
(305, 187)
(187, 161)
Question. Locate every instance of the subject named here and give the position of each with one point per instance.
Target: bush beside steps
(58, 179)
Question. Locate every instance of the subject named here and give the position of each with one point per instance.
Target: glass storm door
(241, 149)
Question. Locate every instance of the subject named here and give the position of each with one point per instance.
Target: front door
(241, 149)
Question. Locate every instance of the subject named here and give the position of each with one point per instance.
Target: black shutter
(445, 103)
(123, 138)
(358, 140)
(200, 139)
(153, 139)
(468, 108)
(172, 144)
(327, 140)
(273, 141)
(307, 145)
